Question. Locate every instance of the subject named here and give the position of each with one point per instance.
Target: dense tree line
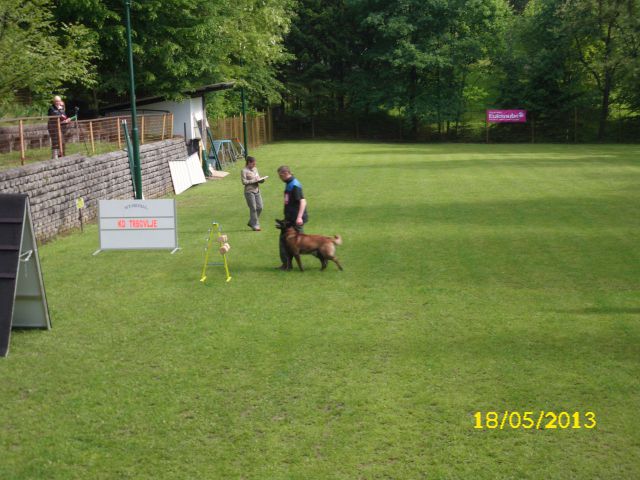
(430, 61)
(415, 61)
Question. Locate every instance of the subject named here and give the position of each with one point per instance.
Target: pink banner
(506, 116)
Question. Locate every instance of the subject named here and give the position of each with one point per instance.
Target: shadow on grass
(558, 212)
(602, 311)
(508, 160)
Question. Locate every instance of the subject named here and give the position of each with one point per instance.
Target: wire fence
(574, 126)
(30, 139)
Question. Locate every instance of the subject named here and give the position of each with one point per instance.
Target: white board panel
(180, 176)
(195, 170)
(136, 239)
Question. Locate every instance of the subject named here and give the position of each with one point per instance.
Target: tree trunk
(604, 107)
(413, 87)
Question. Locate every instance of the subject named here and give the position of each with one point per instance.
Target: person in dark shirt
(56, 111)
(295, 208)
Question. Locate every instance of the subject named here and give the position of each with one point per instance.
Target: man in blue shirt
(295, 208)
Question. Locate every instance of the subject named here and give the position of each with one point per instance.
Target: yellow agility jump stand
(215, 235)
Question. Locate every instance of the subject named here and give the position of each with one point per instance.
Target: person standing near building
(251, 180)
(295, 209)
(56, 112)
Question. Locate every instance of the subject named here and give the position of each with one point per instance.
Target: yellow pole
(203, 277)
(215, 228)
(226, 267)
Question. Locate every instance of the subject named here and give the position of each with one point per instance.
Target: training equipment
(23, 302)
(215, 234)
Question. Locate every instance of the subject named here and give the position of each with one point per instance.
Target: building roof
(198, 92)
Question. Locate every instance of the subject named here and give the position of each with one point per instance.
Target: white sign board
(137, 225)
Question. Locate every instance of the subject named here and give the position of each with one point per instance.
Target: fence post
(142, 130)
(21, 131)
(164, 116)
(119, 135)
(60, 146)
(171, 125)
(533, 129)
(486, 126)
(93, 145)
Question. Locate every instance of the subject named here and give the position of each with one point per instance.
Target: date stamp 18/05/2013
(534, 420)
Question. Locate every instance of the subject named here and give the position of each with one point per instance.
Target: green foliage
(603, 33)
(540, 71)
(40, 55)
(430, 61)
(413, 57)
(180, 45)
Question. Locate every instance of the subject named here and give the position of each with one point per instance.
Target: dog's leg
(323, 260)
(299, 263)
(337, 263)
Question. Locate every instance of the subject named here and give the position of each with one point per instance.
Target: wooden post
(142, 130)
(60, 146)
(118, 126)
(171, 125)
(93, 145)
(164, 116)
(256, 133)
(21, 130)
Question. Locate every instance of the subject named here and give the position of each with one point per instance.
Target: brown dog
(322, 247)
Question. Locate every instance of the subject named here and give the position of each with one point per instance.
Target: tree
(321, 41)
(39, 56)
(539, 70)
(600, 31)
(180, 45)
(423, 50)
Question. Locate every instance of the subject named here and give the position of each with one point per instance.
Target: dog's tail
(337, 239)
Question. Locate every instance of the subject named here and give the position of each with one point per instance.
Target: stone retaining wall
(54, 185)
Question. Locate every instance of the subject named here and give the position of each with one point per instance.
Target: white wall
(184, 112)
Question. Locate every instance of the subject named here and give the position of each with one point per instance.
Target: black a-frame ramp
(22, 298)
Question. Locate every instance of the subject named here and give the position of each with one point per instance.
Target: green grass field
(477, 278)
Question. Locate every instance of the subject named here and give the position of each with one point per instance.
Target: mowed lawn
(478, 278)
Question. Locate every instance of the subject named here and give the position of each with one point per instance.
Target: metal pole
(134, 127)
(244, 122)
